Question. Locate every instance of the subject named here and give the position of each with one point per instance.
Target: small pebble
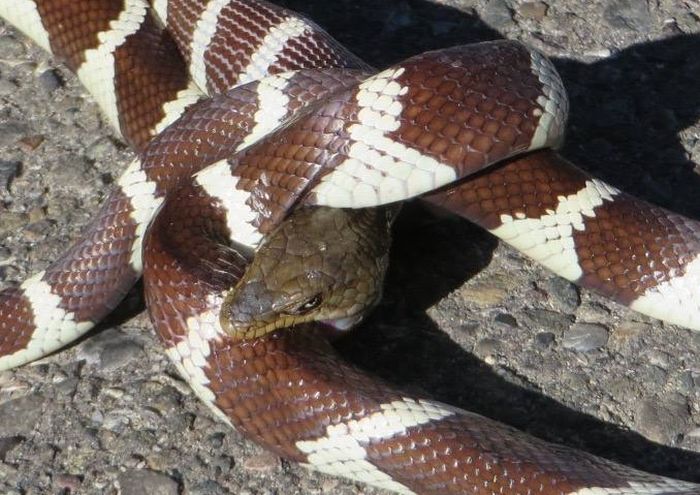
(265, 461)
(9, 170)
(117, 355)
(628, 14)
(563, 294)
(20, 415)
(659, 419)
(545, 339)
(11, 132)
(50, 80)
(533, 10)
(11, 47)
(498, 15)
(142, 481)
(506, 319)
(7, 444)
(483, 296)
(585, 337)
(30, 143)
(550, 321)
(487, 347)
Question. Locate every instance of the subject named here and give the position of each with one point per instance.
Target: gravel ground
(464, 317)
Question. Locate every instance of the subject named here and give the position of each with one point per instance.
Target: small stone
(140, 481)
(111, 350)
(265, 461)
(9, 170)
(99, 149)
(329, 485)
(545, 339)
(549, 321)
(50, 80)
(660, 420)
(600, 53)
(207, 487)
(564, 294)
(506, 319)
(487, 347)
(36, 214)
(483, 296)
(585, 337)
(628, 336)
(498, 15)
(628, 14)
(658, 358)
(533, 10)
(30, 143)
(7, 444)
(689, 381)
(20, 415)
(689, 22)
(10, 47)
(117, 355)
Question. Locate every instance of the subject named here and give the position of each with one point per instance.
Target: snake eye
(307, 306)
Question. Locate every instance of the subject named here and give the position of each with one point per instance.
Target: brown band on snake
(95, 274)
(461, 113)
(242, 34)
(624, 248)
(142, 87)
(16, 321)
(211, 129)
(462, 129)
(73, 26)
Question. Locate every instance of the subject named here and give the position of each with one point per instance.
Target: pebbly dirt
(465, 317)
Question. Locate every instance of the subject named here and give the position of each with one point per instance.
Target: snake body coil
(292, 120)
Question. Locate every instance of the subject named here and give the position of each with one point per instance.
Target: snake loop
(249, 126)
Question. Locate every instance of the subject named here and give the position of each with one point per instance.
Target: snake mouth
(343, 324)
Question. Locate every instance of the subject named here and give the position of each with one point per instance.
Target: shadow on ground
(626, 113)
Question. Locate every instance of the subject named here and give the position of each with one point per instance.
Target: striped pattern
(554, 103)
(141, 193)
(273, 107)
(201, 38)
(403, 132)
(549, 239)
(97, 73)
(380, 170)
(219, 184)
(341, 451)
(271, 46)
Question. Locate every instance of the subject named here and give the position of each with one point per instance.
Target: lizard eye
(307, 306)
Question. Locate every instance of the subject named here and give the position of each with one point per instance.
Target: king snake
(307, 123)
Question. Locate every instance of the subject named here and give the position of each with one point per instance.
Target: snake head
(322, 264)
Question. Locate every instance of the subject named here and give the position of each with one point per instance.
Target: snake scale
(357, 138)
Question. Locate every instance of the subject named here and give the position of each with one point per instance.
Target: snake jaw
(331, 273)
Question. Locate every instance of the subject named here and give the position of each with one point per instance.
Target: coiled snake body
(347, 139)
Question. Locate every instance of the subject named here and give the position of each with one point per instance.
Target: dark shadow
(626, 113)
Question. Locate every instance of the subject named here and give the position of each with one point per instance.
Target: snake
(253, 121)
